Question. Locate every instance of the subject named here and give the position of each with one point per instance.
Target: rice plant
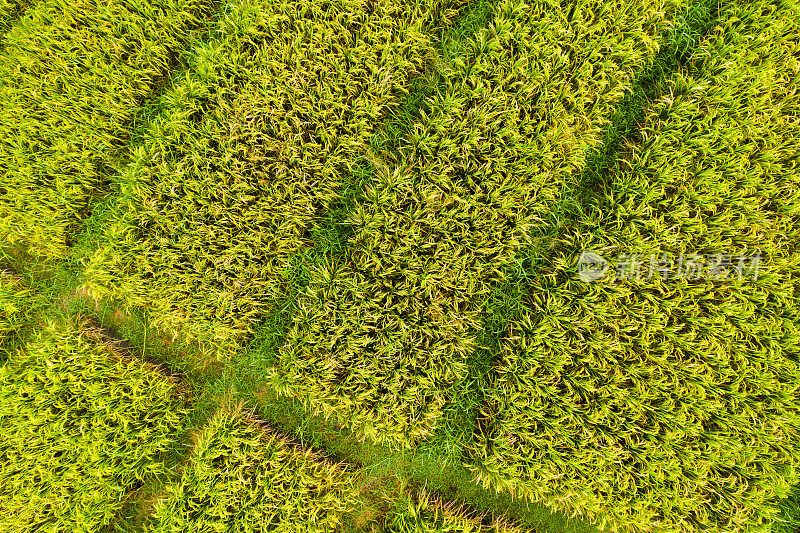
(9, 10)
(18, 307)
(250, 145)
(384, 334)
(72, 76)
(80, 426)
(243, 479)
(658, 404)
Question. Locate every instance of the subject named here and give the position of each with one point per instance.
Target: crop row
(255, 140)
(384, 335)
(80, 426)
(217, 204)
(241, 478)
(72, 77)
(653, 399)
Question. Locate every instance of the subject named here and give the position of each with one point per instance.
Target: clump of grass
(633, 402)
(252, 144)
(80, 426)
(72, 75)
(384, 336)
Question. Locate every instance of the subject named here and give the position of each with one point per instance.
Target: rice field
(322, 266)
(72, 77)
(383, 335)
(222, 192)
(441, 268)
